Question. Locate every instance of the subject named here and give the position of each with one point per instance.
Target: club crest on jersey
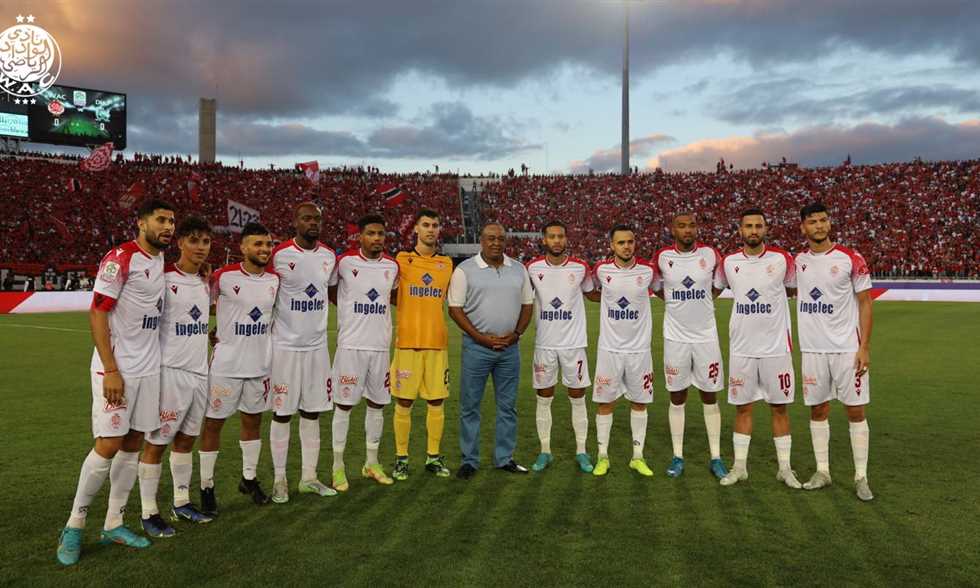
(703, 263)
(236, 288)
(770, 269)
(571, 279)
(326, 267)
(173, 288)
(639, 280)
(354, 271)
(834, 270)
(386, 274)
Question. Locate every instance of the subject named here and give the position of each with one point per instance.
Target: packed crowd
(45, 219)
(908, 219)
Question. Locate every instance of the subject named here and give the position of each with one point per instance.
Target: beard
(154, 240)
(254, 260)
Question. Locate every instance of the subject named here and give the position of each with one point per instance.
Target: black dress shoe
(513, 467)
(209, 503)
(252, 487)
(465, 472)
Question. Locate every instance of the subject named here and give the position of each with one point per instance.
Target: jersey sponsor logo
(702, 263)
(816, 307)
(372, 308)
(151, 322)
(623, 312)
(754, 307)
(312, 305)
(557, 314)
(114, 406)
(540, 368)
(834, 270)
(247, 330)
(348, 380)
(688, 294)
(770, 269)
(427, 291)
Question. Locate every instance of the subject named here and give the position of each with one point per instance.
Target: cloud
(929, 137)
(610, 159)
(776, 101)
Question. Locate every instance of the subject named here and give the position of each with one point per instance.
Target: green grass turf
(556, 528)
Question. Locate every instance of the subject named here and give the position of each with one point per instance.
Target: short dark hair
(553, 223)
(370, 219)
(619, 227)
(191, 225)
(681, 213)
(753, 212)
(151, 205)
(254, 229)
(812, 208)
(426, 212)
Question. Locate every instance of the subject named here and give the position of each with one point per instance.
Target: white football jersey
(686, 280)
(184, 323)
(364, 301)
(560, 312)
(244, 312)
(827, 309)
(625, 323)
(130, 288)
(301, 306)
(759, 326)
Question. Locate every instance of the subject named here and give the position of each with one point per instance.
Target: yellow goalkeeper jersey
(423, 283)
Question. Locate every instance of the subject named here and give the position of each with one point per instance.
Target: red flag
(392, 194)
(74, 185)
(194, 188)
(62, 228)
(310, 169)
(99, 159)
(133, 195)
(352, 236)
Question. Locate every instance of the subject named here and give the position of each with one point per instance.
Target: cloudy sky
(489, 84)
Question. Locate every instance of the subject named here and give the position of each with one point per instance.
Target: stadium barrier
(922, 291)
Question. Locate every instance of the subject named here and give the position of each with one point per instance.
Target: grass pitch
(556, 528)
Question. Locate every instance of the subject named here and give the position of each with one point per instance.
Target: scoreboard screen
(13, 118)
(63, 115)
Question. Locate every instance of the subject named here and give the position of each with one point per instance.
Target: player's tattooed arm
(112, 383)
(862, 359)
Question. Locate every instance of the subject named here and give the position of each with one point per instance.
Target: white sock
(374, 424)
(860, 440)
(712, 424)
(250, 457)
(542, 417)
(279, 444)
(181, 468)
(208, 459)
(783, 446)
(341, 423)
(740, 442)
(122, 477)
(149, 474)
(820, 436)
(309, 441)
(675, 416)
(638, 426)
(580, 423)
(603, 425)
(95, 469)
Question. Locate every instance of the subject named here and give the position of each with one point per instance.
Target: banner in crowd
(240, 215)
(99, 159)
(310, 169)
(393, 195)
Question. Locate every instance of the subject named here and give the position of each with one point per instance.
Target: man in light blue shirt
(491, 299)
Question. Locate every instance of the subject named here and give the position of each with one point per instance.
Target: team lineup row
(153, 385)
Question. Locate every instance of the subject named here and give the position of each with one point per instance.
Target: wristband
(107, 372)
